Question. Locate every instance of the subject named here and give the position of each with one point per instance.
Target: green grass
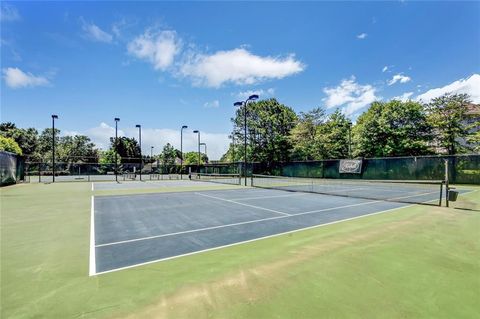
(413, 262)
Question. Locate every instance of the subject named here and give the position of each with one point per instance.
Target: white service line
(243, 204)
(249, 241)
(92, 186)
(93, 265)
(233, 224)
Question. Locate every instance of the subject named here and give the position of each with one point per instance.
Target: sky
(167, 64)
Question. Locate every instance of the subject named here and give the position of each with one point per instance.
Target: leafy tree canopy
(269, 123)
(9, 145)
(191, 158)
(168, 155)
(447, 115)
(392, 128)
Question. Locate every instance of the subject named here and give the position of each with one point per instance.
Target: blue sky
(167, 64)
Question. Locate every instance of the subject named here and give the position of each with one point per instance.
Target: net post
(441, 193)
(446, 183)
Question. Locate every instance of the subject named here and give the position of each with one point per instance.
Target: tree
(44, 148)
(304, 135)
(169, 154)
(127, 148)
(447, 115)
(77, 148)
(392, 128)
(333, 136)
(191, 158)
(108, 157)
(9, 145)
(269, 124)
(27, 139)
(474, 140)
(7, 126)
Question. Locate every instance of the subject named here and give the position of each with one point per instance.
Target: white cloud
(158, 48)
(237, 66)
(362, 36)
(94, 33)
(213, 104)
(4, 44)
(16, 78)
(100, 135)
(8, 13)
(385, 68)
(470, 86)
(404, 97)
(69, 133)
(118, 26)
(260, 92)
(351, 95)
(217, 143)
(399, 78)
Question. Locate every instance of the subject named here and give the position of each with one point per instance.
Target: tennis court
(133, 230)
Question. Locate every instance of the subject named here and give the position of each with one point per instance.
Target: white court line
(92, 269)
(231, 225)
(92, 186)
(246, 222)
(243, 204)
(273, 196)
(248, 241)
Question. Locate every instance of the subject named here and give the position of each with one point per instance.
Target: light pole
(181, 150)
(205, 144)
(53, 145)
(151, 161)
(198, 132)
(244, 104)
(140, 142)
(349, 139)
(116, 148)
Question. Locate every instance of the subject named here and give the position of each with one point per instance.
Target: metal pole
(245, 140)
(198, 152)
(253, 141)
(53, 146)
(245, 105)
(181, 153)
(140, 141)
(181, 150)
(350, 140)
(116, 149)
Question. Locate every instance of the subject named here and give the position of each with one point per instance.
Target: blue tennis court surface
(133, 230)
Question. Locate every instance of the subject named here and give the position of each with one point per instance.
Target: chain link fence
(463, 169)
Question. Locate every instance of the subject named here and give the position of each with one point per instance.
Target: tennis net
(415, 192)
(232, 179)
